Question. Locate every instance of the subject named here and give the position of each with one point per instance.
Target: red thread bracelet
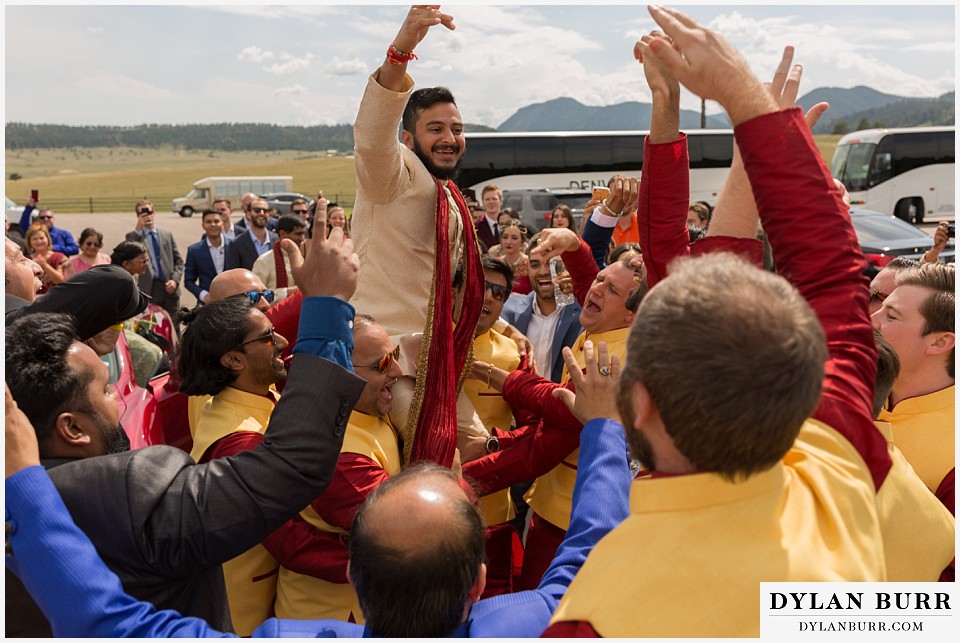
(397, 57)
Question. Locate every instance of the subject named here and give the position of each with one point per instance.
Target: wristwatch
(493, 444)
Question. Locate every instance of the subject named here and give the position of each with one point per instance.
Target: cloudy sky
(307, 65)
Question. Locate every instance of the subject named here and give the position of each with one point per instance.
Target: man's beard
(264, 373)
(114, 439)
(440, 173)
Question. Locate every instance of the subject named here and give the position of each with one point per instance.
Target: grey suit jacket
(170, 260)
(164, 525)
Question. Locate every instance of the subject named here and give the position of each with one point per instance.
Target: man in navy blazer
(548, 327)
(205, 258)
(252, 242)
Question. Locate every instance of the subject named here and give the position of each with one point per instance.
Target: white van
(206, 191)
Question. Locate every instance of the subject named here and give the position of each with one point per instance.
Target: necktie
(496, 231)
(156, 254)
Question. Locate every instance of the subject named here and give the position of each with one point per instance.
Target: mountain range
(849, 108)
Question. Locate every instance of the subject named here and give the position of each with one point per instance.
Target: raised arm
(419, 19)
(804, 216)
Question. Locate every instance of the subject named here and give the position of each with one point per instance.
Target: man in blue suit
(254, 240)
(549, 327)
(205, 258)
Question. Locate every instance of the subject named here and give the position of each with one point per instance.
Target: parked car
(281, 200)
(536, 205)
(883, 237)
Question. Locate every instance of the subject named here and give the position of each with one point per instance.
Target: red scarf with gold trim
(280, 266)
(442, 375)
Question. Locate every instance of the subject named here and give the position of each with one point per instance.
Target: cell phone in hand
(35, 195)
(600, 193)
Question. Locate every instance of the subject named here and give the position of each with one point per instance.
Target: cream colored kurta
(265, 267)
(394, 218)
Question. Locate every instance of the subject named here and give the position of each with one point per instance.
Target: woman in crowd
(90, 243)
(513, 236)
(337, 218)
(132, 256)
(41, 251)
(562, 217)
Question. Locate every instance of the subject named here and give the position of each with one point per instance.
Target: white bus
(581, 160)
(209, 189)
(905, 172)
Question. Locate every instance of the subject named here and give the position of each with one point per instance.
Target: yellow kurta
(493, 348)
(552, 494)
(251, 577)
(918, 531)
(923, 429)
(306, 597)
(689, 559)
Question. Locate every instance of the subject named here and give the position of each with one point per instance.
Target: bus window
(945, 147)
(854, 170)
(537, 153)
(588, 152)
(913, 152)
(880, 168)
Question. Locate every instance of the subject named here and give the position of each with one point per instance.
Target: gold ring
(605, 370)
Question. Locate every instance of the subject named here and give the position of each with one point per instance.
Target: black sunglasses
(259, 210)
(144, 213)
(384, 362)
(500, 293)
(269, 338)
(300, 211)
(255, 295)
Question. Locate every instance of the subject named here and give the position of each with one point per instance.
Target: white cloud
(255, 54)
(346, 67)
(293, 90)
(943, 47)
(291, 64)
(95, 30)
(110, 84)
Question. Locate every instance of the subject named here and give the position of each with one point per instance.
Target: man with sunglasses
(161, 279)
(312, 548)
(62, 239)
(254, 241)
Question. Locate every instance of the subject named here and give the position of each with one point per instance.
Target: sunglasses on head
(878, 295)
(500, 293)
(255, 295)
(382, 364)
(269, 338)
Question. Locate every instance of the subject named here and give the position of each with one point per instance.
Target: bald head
(416, 554)
(234, 282)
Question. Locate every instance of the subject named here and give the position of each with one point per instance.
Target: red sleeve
(232, 444)
(355, 478)
(816, 249)
(662, 205)
(533, 454)
(521, 285)
(285, 317)
(304, 549)
(529, 391)
(582, 268)
(570, 630)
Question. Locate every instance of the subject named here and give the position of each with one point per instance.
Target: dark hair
(423, 99)
(125, 251)
(289, 223)
(902, 263)
(416, 592)
(208, 212)
(620, 249)
(211, 332)
(888, 369)
(227, 201)
(499, 267)
(90, 232)
(703, 212)
(38, 374)
(632, 302)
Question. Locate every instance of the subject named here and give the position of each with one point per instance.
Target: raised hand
(596, 385)
(331, 266)
(418, 21)
(22, 450)
(706, 64)
(554, 242)
(659, 78)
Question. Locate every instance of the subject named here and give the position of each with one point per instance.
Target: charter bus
(582, 160)
(207, 190)
(905, 172)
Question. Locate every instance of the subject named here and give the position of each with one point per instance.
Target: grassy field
(110, 177)
(106, 174)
